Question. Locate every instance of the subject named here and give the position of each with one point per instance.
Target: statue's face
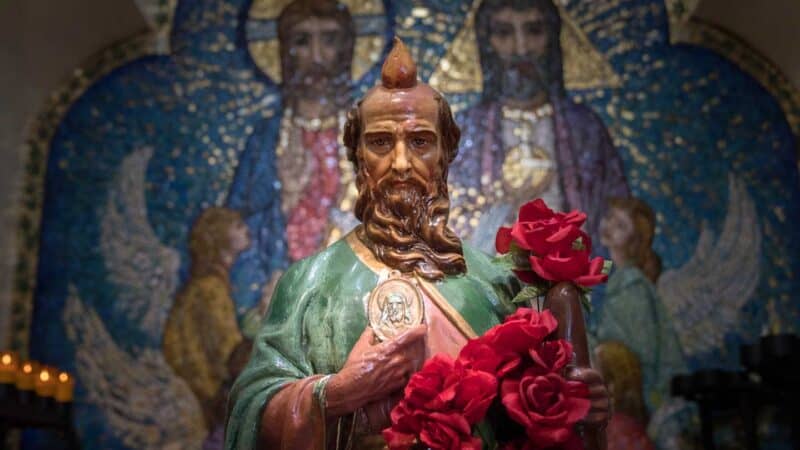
(400, 141)
(314, 45)
(520, 39)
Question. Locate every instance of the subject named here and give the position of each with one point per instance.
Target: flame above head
(399, 70)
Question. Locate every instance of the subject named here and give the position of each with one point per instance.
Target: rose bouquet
(544, 248)
(508, 386)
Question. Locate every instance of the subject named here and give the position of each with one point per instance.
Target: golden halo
(262, 35)
(585, 67)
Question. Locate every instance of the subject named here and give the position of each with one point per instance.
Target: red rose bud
(502, 242)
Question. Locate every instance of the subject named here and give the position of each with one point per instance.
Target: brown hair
(621, 370)
(639, 249)
(209, 238)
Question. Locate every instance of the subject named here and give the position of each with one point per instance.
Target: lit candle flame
(6, 359)
(27, 368)
(63, 377)
(44, 375)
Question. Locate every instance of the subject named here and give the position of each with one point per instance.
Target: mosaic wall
(172, 194)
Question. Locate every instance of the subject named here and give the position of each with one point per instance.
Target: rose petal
(535, 210)
(502, 241)
(398, 441)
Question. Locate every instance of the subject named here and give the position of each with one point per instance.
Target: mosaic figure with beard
(525, 138)
(319, 376)
(291, 179)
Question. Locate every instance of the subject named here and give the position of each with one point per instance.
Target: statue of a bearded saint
(322, 374)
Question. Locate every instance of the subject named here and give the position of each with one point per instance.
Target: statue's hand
(373, 372)
(378, 413)
(599, 413)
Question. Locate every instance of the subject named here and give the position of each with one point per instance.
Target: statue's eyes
(379, 141)
(419, 142)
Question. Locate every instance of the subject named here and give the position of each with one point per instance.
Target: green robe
(317, 314)
(634, 314)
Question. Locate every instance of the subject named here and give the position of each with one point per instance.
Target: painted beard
(522, 78)
(405, 225)
(317, 81)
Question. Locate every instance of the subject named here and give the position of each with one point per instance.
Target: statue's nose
(400, 163)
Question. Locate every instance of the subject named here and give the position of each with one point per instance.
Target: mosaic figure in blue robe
(293, 183)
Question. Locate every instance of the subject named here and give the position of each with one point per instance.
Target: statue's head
(628, 229)
(520, 49)
(316, 39)
(401, 138)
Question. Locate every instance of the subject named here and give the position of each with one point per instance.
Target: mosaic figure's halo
(585, 67)
(261, 32)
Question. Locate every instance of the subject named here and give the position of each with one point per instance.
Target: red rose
(548, 406)
(551, 356)
(570, 263)
(538, 229)
(509, 342)
(441, 402)
(448, 432)
(522, 330)
(479, 354)
(437, 430)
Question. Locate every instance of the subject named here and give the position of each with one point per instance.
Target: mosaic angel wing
(144, 270)
(144, 403)
(706, 294)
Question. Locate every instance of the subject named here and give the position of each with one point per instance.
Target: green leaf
(578, 244)
(484, 430)
(529, 292)
(505, 261)
(586, 301)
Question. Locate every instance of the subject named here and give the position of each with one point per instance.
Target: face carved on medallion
(396, 310)
(401, 138)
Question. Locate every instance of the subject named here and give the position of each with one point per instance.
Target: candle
(26, 375)
(45, 383)
(65, 388)
(8, 367)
